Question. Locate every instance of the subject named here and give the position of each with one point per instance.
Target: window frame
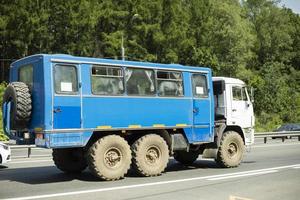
(193, 86)
(110, 76)
(243, 90)
(19, 72)
(170, 80)
(154, 82)
(77, 80)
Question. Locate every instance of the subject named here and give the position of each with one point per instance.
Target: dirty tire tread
(63, 161)
(92, 158)
(137, 166)
(221, 159)
(19, 93)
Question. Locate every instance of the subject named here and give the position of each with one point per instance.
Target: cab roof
(228, 80)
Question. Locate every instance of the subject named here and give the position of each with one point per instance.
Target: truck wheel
(18, 94)
(150, 155)
(186, 158)
(231, 150)
(109, 158)
(69, 160)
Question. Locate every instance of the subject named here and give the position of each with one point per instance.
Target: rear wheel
(186, 158)
(150, 155)
(109, 158)
(69, 160)
(231, 150)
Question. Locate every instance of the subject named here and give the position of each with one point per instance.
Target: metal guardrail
(283, 135)
(24, 147)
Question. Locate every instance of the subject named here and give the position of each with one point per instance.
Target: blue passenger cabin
(76, 97)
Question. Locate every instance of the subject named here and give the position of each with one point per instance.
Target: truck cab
(233, 106)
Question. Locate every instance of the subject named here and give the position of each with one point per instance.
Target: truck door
(201, 108)
(66, 97)
(241, 107)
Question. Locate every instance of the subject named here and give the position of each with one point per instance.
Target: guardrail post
(299, 138)
(283, 138)
(265, 140)
(29, 152)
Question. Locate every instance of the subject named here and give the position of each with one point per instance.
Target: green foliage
(254, 40)
(2, 136)
(267, 122)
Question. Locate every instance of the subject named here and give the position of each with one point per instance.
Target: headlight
(4, 146)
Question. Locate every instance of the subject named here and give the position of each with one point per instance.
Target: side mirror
(252, 94)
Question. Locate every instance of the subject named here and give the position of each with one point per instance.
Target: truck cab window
(169, 83)
(200, 89)
(107, 80)
(26, 75)
(65, 79)
(140, 82)
(239, 93)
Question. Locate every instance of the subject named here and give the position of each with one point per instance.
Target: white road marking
(242, 175)
(297, 167)
(150, 184)
(237, 198)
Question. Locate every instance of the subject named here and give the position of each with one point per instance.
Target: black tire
(69, 160)
(18, 94)
(231, 150)
(150, 155)
(109, 158)
(0, 159)
(186, 158)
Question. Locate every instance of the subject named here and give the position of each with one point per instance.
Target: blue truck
(110, 115)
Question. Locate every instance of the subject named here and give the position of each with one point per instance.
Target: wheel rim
(153, 155)
(112, 157)
(232, 150)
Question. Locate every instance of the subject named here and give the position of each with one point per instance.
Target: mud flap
(6, 117)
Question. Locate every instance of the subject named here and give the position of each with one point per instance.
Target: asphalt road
(269, 171)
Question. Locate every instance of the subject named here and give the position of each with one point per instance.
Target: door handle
(233, 110)
(195, 110)
(57, 110)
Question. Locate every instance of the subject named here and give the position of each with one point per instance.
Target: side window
(65, 79)
(107, 80)
(140, 82)
(169, 83)
(26, 75)
(239, 93)
(200, 88)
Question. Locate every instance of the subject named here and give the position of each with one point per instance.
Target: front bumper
(6, 156)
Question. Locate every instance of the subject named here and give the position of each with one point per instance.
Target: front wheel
(231, 150)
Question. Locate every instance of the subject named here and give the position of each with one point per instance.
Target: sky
(292, 4)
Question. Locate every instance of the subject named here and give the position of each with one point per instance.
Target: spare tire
(19, 95)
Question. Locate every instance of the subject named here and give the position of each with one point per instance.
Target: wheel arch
(131, 136)
(237, 129)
